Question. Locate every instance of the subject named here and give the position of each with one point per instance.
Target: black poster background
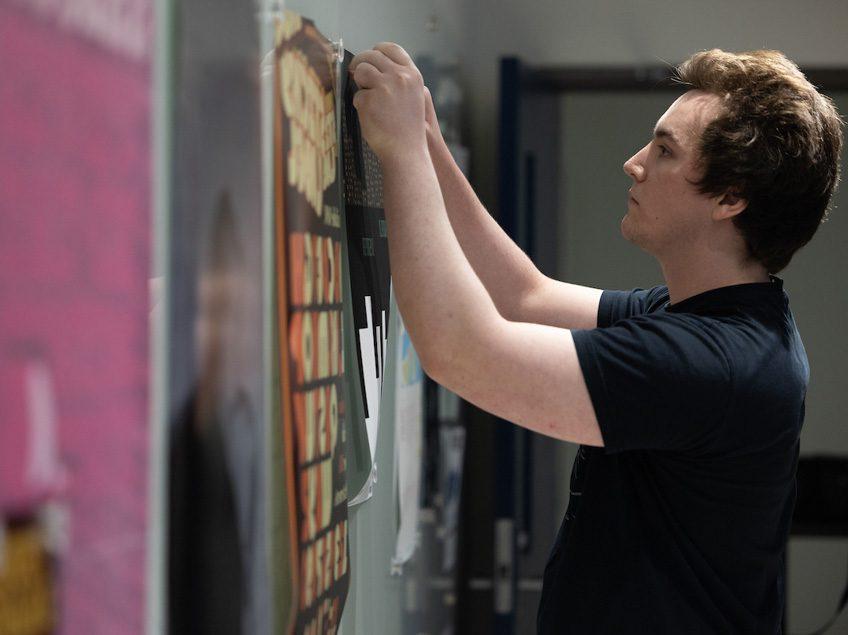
(367, 247)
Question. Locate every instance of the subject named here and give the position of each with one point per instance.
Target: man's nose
(634, 169)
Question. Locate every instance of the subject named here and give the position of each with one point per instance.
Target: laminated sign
(308, 269)
(214, 436)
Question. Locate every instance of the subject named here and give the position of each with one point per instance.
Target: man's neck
(689, 278)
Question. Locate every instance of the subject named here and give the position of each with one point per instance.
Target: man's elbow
(448, 352)
(432, 361)
(438, 359)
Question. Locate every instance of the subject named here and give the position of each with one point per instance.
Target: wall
(613, 33)
(430, 27)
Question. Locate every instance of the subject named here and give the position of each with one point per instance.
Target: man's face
(665, 211)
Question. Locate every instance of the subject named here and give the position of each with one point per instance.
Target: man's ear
(728, 205)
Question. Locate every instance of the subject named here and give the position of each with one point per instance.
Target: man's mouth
(631, 199)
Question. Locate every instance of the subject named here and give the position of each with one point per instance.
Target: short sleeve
(658, 381)
(619, 305)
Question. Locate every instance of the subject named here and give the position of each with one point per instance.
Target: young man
(687, 399)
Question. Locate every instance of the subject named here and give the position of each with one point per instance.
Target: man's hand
(390, 101)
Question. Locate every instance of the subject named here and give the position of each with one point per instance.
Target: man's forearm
(503, 268)
(442, 301)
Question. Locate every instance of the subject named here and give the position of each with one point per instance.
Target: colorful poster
(309, 307)
(75, 225)
(367, 281)
(409, 414)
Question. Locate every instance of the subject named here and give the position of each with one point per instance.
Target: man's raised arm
(518, 289)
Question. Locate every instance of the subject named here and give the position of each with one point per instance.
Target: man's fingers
(366, 75)
(376, 58)
(395, 53)
(358, 98)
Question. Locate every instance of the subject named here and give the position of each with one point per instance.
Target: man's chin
(631, 233)
(626, 229)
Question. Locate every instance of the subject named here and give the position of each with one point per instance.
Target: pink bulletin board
(75, 233)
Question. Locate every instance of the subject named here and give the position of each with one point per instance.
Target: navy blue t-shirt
(679, 523)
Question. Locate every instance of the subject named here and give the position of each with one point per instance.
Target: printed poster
(309, 312)
(368, 282)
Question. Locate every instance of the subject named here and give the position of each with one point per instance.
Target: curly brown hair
(776, 145)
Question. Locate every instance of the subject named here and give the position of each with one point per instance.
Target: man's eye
(663, 151)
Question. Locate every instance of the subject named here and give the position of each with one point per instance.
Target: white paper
(373, 370)
(452, 448)
(409, 412)
(44, 470)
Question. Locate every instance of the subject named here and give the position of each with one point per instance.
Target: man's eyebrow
(664, 133)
